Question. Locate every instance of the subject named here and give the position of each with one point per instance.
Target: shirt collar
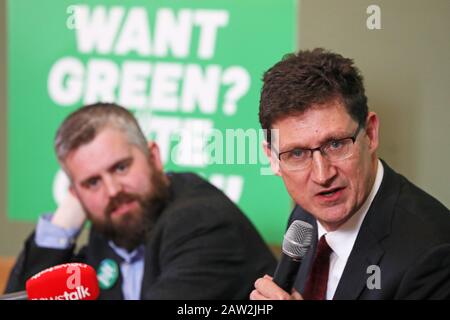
(341, 241)
(128, 257)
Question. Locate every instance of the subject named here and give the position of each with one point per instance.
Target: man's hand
(266, 289)
(70, 213)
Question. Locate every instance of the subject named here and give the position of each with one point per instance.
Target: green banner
(190, 71)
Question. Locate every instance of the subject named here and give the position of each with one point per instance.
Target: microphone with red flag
(70, 281)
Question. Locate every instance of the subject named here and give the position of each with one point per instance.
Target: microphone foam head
(297, 239)
(70, 281)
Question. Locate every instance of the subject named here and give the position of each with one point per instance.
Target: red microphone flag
(70, 281)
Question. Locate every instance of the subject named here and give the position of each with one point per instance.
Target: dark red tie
(316, 285)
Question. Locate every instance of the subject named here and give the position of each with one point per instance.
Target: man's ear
(372, 128)
(73, 191)
(274, 162)
(155, 155)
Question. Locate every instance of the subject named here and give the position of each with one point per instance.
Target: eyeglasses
(333, 150)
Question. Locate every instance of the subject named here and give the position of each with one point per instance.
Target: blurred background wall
(406, 66)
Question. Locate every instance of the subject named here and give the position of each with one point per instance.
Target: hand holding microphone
(296, 243)
(70, 281)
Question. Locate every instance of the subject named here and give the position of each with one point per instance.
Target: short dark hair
(84, 124)
(307, 78)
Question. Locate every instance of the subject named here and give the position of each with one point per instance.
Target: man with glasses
(376, 235)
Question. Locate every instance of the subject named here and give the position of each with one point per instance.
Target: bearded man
(154, 235)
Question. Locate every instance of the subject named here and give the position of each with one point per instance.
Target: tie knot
(316, 285)
(323, 248)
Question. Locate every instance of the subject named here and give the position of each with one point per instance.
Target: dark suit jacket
(406, 233)
(202, 247)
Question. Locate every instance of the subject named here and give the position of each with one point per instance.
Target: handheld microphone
(70, 281)
(296, 243)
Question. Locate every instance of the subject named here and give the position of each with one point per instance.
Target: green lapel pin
(107, 273)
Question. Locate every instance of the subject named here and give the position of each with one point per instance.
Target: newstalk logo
(80, 293)
(64, 282)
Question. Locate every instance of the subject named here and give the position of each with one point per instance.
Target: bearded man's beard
(131, 229)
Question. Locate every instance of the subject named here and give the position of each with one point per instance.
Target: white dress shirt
(342, 240)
